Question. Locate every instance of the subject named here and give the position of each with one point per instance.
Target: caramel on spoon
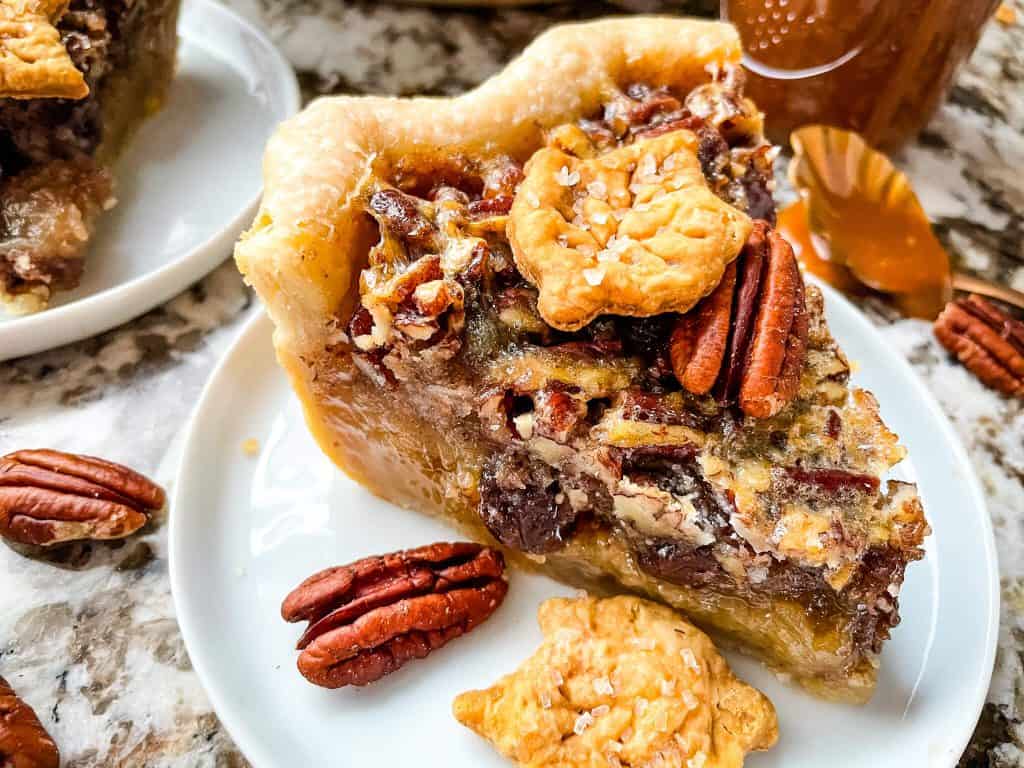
(859, 225)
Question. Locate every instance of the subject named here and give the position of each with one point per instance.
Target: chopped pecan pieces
(502, 177)
(490, 206)
(650, 408)
(834, 425)
(24, 743)
(748, 338)
(989, 342)
(400, 214)
(49, 497)
(557, 413)
(368, 618)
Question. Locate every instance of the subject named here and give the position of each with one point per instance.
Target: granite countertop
(87, 633)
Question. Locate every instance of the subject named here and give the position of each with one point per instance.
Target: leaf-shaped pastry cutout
(864, 211)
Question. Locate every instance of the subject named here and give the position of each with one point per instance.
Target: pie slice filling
(528, 350)
(64, 115)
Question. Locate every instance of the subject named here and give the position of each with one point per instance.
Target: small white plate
(245, 530)
(188, 183)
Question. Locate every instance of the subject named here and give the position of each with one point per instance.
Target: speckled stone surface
(87, 634)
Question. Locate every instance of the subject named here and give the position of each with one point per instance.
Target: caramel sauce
(792, 225)
(878, 67)
(859, 224)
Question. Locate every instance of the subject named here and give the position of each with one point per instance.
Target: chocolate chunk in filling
(524, 505)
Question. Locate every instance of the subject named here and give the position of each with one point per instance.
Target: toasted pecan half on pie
(555, 311)
(76, 77)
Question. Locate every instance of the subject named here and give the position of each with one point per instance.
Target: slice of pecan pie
(75, 79)
(555, 310)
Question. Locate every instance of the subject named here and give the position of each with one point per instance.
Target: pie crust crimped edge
(33, 61)
(308, 242)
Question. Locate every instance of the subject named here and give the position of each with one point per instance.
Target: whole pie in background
(75, 80)
(555, 310)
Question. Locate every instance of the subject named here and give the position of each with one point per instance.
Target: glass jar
(878, 67)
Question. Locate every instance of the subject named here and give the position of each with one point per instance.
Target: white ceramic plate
(245, 531)
(188, 183)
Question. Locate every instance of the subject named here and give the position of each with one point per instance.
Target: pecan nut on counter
(369, 618)
(988, 341)
(24, 743)
(50, 497)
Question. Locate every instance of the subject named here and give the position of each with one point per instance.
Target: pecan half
(697, 345)
(771, 375)
(368, 618)
(24, 743)
(750, 273)
(748, 338)
(49, 497)
(986, 340)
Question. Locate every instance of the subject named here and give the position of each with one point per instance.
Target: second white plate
(246, 530)
(188, 183)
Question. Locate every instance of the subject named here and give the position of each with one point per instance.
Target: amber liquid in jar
(878, 67)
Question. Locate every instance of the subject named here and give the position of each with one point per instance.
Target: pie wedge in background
(555, 311)
(76, 78)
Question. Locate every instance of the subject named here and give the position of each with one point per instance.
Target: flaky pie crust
(620, 681)
(33, 61)
(651, 204)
